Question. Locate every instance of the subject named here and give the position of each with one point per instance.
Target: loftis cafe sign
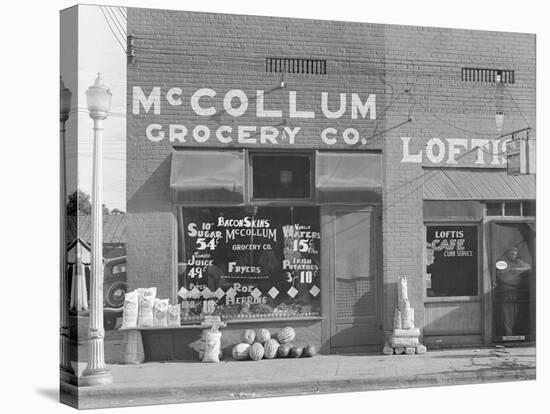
(235, 103)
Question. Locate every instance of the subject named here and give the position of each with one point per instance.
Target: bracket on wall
(130, 49)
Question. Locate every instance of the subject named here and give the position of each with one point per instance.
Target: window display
(451, 261)
(249, 262)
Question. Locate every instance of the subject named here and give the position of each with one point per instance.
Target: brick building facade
(415, 99)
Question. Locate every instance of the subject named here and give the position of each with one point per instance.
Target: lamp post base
(95, 377)
(68, 376)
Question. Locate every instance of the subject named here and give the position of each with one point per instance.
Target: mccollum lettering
(235, 102)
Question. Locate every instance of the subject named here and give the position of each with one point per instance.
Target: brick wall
(223, 52)
(428, 62)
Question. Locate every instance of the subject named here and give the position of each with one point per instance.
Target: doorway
(513, 281)
(351, 248)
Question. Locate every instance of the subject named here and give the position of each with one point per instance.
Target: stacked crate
(405, 337)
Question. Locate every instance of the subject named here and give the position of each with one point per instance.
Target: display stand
(133, 350)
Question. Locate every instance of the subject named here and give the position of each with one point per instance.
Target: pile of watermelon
(259, 344)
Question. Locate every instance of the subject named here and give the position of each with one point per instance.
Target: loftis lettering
(450, 150)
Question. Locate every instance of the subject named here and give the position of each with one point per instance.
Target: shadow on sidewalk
(49, 393)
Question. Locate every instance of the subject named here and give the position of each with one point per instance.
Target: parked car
(114, 289)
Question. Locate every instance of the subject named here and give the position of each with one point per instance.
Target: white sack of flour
(403, 294)
(146, 303)
(130, 310)
(406, 320)
(160, 312)
(174, 315)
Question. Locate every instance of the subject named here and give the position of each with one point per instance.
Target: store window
(348, 177)
(207, 176)
(529, 209)
(493, 209)
(510, 209)
(249, 262)
(451, 260)
(281, 176)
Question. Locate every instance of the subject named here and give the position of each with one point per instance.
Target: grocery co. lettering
(206, 102)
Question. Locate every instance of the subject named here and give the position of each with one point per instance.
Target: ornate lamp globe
(65, 96)
(99, 98)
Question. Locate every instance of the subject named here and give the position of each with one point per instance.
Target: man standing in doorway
(511, 277)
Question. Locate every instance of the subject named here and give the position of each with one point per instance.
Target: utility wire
(122, 10)
(516, 105)
(123, 19)
(112, 30)
(449, 123)
(116, 114)
(117, 23)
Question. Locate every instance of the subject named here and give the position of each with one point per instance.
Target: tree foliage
(79, 203)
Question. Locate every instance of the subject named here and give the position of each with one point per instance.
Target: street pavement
(177, 382)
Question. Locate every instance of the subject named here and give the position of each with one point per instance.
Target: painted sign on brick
(208, 105)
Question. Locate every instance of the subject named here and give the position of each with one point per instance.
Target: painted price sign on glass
(260, 260)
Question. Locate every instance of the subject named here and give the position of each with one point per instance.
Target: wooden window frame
(442, 222)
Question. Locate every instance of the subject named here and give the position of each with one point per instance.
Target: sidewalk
(177, 382)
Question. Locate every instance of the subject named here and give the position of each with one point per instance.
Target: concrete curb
(124, 396)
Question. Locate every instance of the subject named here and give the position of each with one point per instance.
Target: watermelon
(256, 351)
(248, 336)
(240, 352)
(286, 335)
(284, 350)
(296, 352)
(271, 347)
(310, 350)
(262, 335)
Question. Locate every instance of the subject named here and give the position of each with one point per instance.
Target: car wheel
(114, 297)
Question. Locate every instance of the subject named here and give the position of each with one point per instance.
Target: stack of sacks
(405, 337)
(143, 310)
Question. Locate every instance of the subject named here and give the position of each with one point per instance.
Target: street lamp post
(96, 373)
(66, 370)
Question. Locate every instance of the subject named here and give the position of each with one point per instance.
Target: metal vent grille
(289, 65)
(487, 75)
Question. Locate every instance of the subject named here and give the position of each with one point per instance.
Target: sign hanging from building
(517, 156)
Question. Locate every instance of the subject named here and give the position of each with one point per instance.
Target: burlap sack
(212, 347)
(397, 319)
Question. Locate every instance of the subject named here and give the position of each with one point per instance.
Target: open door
(513, 281)
(353, 263)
